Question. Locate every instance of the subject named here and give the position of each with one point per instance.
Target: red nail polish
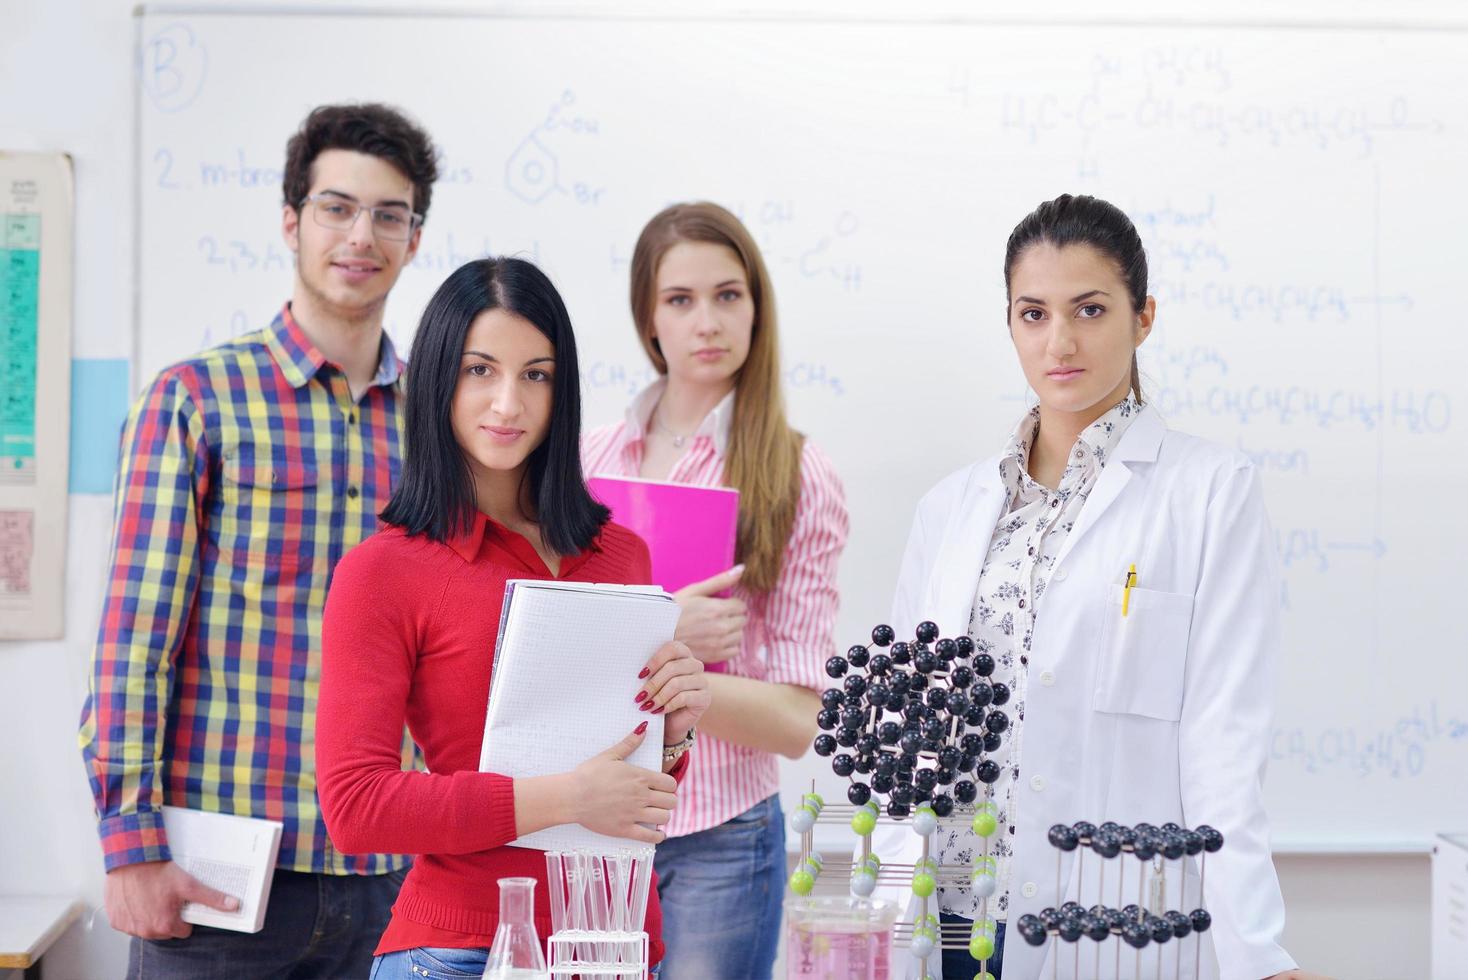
(644, 673)
(657, 711)
(646, 706)
(640, 729)
(640, 696)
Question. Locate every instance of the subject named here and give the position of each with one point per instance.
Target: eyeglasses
(394, 222)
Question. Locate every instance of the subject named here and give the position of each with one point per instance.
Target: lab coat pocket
(1142, 654)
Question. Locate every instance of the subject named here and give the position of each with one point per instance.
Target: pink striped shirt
(790, 632)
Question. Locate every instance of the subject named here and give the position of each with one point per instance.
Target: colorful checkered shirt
(246, 473)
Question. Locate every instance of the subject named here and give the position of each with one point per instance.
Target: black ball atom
(858, 656)
(1160, 928)
(1200, 920)
(883, 635)
(1050, 917)
(997, 722)
(927, 631)
(1064, 837)
(832, 698)
(903, 793)
(865, 764)
(961, 676)
(1173, 847)
(965, 646)
(858, 793)
(992, 741)
(825, 745)
(901, 653)
(880, 665)
(1071, 929)
(1135, 934)
(836, 667)
(964, 791)
(982, 695)
(983, 665)
(1096, 927)
(974, 716)
(883, 784)
(1181, 924)
(855, 684)
(886, 764)
(888, 732)
(942, 804)
(897, 810)
(1192, 841)
(1032, 930)
(827, 719)
(1106, 843)
(966, 762)
(1212, 839)
(988, 771)
(1085, 830)
(925, 662)
(846, 737)
(843, 765)
(866, 743)
(925, 779)
(1001, 694)
(937, 698)
(946, 650)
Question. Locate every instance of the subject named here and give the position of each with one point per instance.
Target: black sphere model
(897, 810)
(836, 667)
(946, 650)
(1160, 928)
(825, 745)
(982, 695)
(832, 698)
(828, 719)
(997, 722)
(858, 793)
(1085, 830)
(1001, 693)
(1064, 837)
(927, 631)
(858, 656)
(988, 771)
(1201, 920)
(843, 765)
(881, 664)
(964, 791)
(1135, 934)
(883, 635)
(1096, 927)
(1181, 924)
(1050, 917)
(1106, 843)
(983, 665)
(965, 646)
(1071, 929)
(942, 804)
(1031, 930)
(901, 653)
(883, 783)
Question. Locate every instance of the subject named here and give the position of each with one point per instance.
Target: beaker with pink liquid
(838, 938)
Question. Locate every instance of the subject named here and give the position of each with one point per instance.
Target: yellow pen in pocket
(1126, 593)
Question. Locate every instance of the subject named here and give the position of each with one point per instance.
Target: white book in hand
(564, 684)
(235, 855)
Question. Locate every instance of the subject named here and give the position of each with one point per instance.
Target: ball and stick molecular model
(912, 727)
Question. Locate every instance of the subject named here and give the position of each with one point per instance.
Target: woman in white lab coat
(1151, 704)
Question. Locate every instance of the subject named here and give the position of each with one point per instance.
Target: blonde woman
(704, 310)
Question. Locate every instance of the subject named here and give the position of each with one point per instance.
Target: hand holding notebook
(564, 682)
(691, 534)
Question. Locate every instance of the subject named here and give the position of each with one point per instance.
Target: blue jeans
(316, 925)
(721, 891)
(437, 963)
(959, 965)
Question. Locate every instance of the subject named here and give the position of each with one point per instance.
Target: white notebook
(564, 682)
(234, 854)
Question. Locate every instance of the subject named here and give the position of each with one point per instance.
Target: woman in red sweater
(491, 490)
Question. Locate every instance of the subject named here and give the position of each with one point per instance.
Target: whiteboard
(1298, 192)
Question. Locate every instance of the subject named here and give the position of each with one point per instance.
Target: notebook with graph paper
(563, 684)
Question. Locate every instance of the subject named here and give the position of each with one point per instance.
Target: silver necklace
(657, 422)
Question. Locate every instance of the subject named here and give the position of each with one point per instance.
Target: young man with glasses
(246, 473)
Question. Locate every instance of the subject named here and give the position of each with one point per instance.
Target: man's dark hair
(371, 128)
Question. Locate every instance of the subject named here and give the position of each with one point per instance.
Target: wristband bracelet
(672, 753)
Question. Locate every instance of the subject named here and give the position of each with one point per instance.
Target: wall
(66, 84)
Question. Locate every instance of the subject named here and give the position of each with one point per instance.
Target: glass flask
(516, 953)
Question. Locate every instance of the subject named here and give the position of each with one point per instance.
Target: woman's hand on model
(613, 797)
(713, 628)
(677, 688)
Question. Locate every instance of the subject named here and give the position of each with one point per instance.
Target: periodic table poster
(35, 359)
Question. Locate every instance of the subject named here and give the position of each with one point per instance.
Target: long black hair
(435, 495)
(1085, 220)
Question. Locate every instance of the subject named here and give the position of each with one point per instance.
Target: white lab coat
(1161, 715)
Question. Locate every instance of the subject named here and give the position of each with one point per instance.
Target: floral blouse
(1022, 554)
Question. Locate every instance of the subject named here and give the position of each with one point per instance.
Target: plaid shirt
(245, 474)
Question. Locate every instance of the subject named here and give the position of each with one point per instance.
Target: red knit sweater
(409, 634)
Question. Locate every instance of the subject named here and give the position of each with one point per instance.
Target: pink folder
(689, 530)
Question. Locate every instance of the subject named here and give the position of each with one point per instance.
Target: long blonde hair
(763, 461)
